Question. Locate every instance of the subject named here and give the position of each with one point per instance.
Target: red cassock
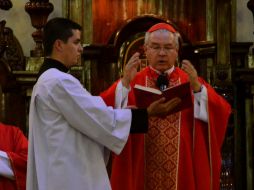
(15, 144)
(178, 152)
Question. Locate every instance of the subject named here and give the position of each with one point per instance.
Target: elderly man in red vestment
(182, 150)
(13, 158)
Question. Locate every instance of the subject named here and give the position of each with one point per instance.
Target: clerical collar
(52, 63)
(169, 71)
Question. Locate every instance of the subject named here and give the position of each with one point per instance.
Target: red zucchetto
(160, 26)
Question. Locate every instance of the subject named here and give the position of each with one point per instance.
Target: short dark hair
(57, 28)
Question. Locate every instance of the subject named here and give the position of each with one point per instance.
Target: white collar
(169, 71)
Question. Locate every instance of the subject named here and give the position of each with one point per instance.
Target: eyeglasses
(157, 48)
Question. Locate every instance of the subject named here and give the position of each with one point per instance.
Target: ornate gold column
(80, 11)
(222, 69)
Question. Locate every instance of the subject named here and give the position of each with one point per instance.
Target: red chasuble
(15, 144)
(178, 152)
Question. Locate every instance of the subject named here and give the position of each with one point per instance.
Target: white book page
(148, 89)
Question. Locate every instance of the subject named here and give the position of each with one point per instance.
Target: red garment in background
(15, 144)
(199, 145)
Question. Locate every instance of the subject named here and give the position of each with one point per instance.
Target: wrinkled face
(161, 50)
(72, 49)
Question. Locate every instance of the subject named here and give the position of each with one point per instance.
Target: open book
(146, 95)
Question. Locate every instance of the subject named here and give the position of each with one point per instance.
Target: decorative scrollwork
(5, 4)
(11, 53)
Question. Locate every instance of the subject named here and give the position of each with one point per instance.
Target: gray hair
(176, 36)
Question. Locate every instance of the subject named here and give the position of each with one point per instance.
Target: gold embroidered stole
(162, 149)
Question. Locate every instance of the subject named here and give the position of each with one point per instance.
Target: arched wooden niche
(130, 38)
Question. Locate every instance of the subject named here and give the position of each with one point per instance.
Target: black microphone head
(162, 81)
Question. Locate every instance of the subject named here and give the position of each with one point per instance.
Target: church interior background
(217, 36)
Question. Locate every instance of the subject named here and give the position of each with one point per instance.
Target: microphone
(162, 81)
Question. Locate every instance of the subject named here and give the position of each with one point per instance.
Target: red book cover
(146, 95)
